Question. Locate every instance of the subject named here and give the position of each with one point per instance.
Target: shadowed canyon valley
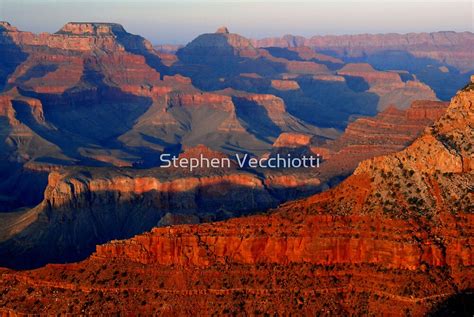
(91, 222)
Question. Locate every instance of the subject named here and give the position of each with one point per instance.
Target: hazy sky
(180, 21)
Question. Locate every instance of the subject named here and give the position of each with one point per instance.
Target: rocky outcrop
(388, 85)
(58, 62)
(307, 53)
(285, 84)
(396, 237)
(221, 43)
(91, 29)
(450, 47)
(80, 36)
(324, 77)
(273, 105)
(6, 109)
(216, 101)
(311, 68)
(369, 74)
(292, 140)
(390, 131)
(426, 110)
(223, 30)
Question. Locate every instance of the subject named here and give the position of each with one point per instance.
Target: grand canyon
(91, 223)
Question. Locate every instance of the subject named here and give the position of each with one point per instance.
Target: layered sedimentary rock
(80, 36)
(222, 44)
(94, 107)
(291, 140)
(388, 85)
(394, 238)
(454, 48)
(86, 72)
(285, 84)
(306, 78)
(390, 131)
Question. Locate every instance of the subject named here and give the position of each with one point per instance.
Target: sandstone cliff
(394, 238)
(436, 45)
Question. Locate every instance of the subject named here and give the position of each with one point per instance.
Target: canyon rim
(157, 167)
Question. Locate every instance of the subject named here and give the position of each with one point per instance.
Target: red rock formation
(305, 67)
(292, 140)
(105, 47)
(453, 48)
(394, 238)
(372, 76)
(205, 152)
(390, 131)
(424, 110)
(389, 86)
(6, 109)
(285, 84)
(213, 101)
(324, 77)
(79, 36)
(273, 105)
(64, 190)
(250, 75)
(308, 54)
(291, 181)
(221, 42)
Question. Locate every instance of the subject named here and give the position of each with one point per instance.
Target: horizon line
(250, 38)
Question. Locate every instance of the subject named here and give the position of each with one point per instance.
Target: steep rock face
(6, 109)
(64, 192)
(291, 140)
(441, 60)
(372, 76)
(221, 43)
(425, 110)
(436, 45)
(241, 242)
(216, 101)
(48, 73)
(388, 85)
(307, 79)
(298, 66)
(273, 105)
(324, 77)
(94, 95)
(200, 149)
(307, 53)
(58, 62)
(390, 131)
(78, 36)
(81, 210)
(432, 164)
(306, 67)
(93, 29)
(285, 84)
(400, 243)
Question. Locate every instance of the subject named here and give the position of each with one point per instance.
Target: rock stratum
(436, 45)
(394, 238)
(86, 206)
(86, 112)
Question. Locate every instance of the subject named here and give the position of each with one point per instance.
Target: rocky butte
(86, 112)
(394, 238)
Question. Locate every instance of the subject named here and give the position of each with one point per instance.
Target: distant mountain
(304, 79)
(435, 58)
(452, 48)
